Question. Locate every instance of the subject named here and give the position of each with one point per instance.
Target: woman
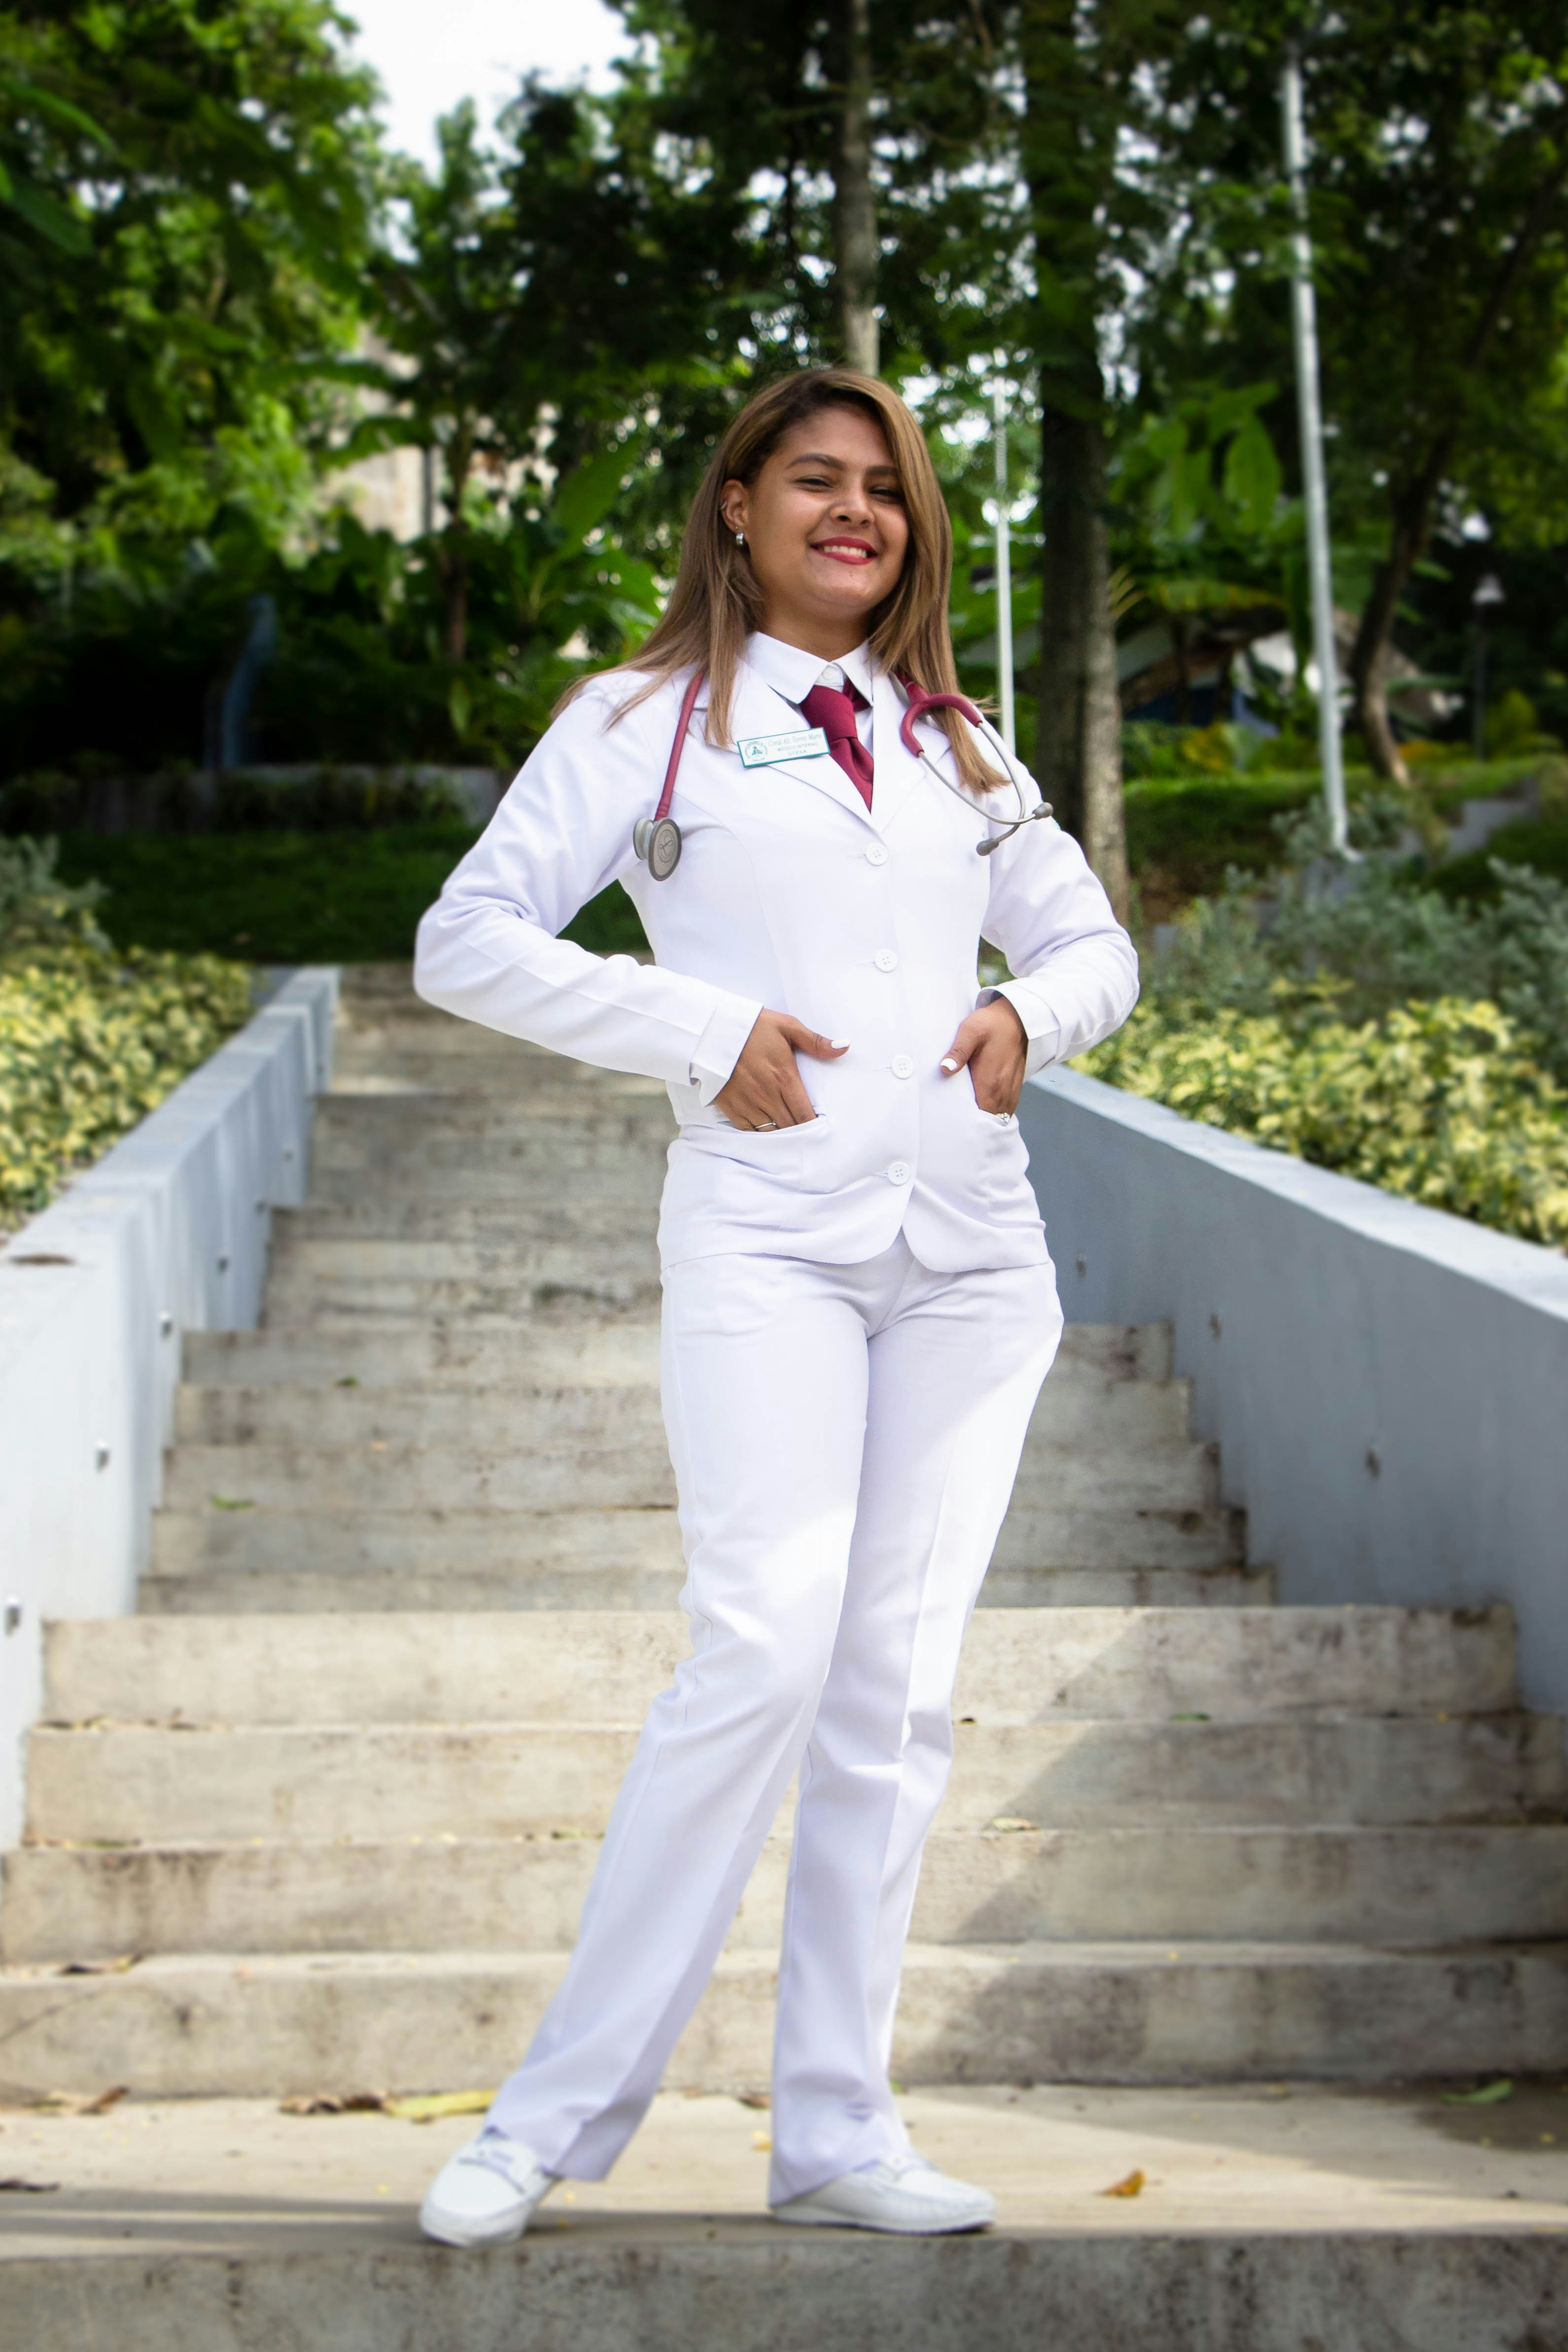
(858, 1305)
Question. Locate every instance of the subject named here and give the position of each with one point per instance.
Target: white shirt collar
(793, 673)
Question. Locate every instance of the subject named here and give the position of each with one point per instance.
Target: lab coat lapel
(759, 708)
(898, 774)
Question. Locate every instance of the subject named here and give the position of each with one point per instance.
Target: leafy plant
(90, 1041)
(38, 911)
(1446, 1103)
(1378, 931)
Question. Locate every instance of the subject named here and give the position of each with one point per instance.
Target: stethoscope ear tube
(919, 703)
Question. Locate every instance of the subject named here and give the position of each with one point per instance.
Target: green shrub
(1443, 1102)
(90, 1041)
(1380, 929)
(37, 909)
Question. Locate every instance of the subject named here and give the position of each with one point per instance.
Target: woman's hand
(992, 1043)
(763, 1089)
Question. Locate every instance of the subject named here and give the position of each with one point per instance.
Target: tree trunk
(455, 553)
(1079, 740)
(1375, 631)
(855, 203)
(1182, 696)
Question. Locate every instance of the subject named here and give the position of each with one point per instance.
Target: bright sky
(431, 53)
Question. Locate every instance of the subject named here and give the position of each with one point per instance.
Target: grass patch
(294, 897)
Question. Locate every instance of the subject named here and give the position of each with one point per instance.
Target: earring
(739, 539)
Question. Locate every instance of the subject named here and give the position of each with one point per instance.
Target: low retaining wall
(167, 1234)
(1388, 1385)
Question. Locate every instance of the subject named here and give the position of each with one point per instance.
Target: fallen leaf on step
(18, 2187)
(571, 1831)
(755, 2099)
(115, 1968)
(761, 2142)
(231, 1502)
(425, 2110)
(1191, 1716)
(334, 2103)
(1132, 2186)
(82, 2103)
(350, 1384)
(1491, 2095)
(1011, 1821)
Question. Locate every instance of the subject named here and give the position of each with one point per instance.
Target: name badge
(764, 751)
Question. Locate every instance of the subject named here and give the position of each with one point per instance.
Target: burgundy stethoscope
(657, 838)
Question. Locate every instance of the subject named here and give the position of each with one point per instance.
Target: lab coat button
(904, 1066)
(876, 854)
(900, 1173)
(885, 960)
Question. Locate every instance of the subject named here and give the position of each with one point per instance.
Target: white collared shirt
(793, 673)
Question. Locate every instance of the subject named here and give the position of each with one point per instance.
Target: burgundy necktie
(834, 712)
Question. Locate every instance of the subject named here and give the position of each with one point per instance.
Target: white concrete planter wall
(167, 1234)
(1389, 1385)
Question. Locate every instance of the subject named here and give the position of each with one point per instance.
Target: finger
(796, 1105)
(968, 1042)
(807, 1040)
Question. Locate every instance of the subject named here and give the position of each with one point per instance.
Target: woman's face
(826, 528)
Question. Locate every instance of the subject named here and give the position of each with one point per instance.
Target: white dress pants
(845, 1441)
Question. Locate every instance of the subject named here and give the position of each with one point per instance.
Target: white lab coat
(791, 895)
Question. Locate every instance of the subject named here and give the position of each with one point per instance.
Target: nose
(853, 504)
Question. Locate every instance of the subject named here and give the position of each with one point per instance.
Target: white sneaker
(485, 2195)
(901, 2193)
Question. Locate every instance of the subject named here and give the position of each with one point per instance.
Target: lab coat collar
(793, 672)
(763, 707)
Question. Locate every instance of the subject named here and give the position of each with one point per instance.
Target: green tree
(1438, 172)
(184, 206)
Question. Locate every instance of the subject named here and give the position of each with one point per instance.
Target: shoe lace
(515, 2165)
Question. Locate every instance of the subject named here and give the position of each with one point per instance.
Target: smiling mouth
(846, 550)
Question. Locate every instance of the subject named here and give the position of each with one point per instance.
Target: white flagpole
(1319, 569)
(1003, 579)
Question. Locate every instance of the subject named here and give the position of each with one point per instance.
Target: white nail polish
(840, 1045)
(950, 1064)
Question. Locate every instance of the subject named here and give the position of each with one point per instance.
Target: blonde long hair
(716, 602)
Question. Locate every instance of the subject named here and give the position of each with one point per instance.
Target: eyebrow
(821, 458)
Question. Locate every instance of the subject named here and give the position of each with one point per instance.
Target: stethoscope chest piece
(657, 838)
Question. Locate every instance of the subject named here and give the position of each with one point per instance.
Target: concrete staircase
(337, 1792)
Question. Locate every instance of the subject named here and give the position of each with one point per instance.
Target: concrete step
(1120, 2012)
(239, 1592)
(408, 1097)
(1275, 2220)
(1397, 1888)
(396, 1137)
(130, 1783)
(572, 1254)
(1018, 1666)
(523, 1220)
(238, 1533)
(431, 1356)
(557, 1286)
(621, 1462)
(447, 1352)
(1105, 1415)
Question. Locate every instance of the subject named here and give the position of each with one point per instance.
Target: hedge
(1443, 1102)
(90, 1041)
